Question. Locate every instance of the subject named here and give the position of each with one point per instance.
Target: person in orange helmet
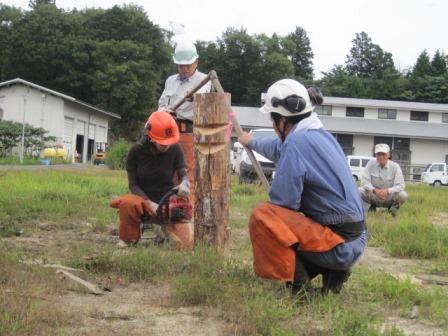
(151, 165)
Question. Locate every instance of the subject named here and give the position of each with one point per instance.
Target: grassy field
(63, 217)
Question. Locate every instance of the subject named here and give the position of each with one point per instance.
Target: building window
(445, 117)
(324, 110)
(351, 111)
(346, 142)
(387, 113)
(419, 115)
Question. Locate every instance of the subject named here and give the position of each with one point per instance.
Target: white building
(77, 126)
(416, 132)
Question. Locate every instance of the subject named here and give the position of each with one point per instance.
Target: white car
(357, 165)
(242, 164)
(435, 174)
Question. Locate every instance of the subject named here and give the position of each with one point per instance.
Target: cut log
(212, 169)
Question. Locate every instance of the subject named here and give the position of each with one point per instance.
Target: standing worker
(314, 221)
(382, 183)
(150, 167)
(176, 87)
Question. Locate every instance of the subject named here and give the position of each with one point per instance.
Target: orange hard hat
(162, 128)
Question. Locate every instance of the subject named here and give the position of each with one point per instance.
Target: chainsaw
(172, 209)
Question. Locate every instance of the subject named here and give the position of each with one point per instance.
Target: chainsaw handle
(163, 200)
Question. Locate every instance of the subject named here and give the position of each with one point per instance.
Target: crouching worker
(151, 165)
(314, 221)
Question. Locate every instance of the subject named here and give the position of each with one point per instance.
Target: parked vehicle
(357, 164)
(243, 165)
(435, 174)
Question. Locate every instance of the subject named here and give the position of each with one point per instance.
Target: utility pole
(22, 146)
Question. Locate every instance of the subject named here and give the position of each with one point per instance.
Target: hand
(381, 193)
(183, 190)
(244, 139)
(152, 208)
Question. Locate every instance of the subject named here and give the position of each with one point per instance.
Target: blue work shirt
(312, 176)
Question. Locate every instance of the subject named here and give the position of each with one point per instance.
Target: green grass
(60, 197)
(413, 233)
(203, 277)
(29, 161)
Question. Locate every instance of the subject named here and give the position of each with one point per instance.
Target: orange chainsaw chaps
(273, 229)
(131, 208)
(181, 236)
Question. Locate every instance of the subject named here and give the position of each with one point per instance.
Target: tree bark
(212, 169)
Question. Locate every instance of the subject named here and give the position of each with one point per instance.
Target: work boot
(301, 283)
(372, 208)
(393, 210)
(334, 280)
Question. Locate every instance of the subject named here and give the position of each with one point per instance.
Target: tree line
(117, 59)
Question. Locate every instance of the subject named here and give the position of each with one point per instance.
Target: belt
(185, 126)
(349, 231)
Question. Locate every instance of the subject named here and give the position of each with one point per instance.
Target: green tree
(423, 66)
(367, 59)
(438, 64)
(36, 3)
(339, 83)
(298, 47)
(9, 19)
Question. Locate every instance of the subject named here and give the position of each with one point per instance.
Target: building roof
(251, 117)
(390, 104)
(58, 94)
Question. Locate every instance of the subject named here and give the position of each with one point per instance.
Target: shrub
(116, 156)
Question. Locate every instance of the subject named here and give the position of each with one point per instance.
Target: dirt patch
(439, 219)
(139, 309)
(416, 270)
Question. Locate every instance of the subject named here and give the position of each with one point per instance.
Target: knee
(402, 196)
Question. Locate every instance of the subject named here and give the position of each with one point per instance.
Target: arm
(268, 147)
(366, 181)
(133, 186)
(398, 181)
(164, 99)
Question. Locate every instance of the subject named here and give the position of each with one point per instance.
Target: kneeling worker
(151, 165)
(314, 221)
(382, 183)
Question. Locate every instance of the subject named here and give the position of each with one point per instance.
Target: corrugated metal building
(79, 127)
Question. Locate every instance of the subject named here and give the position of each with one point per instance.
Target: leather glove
(183, 190)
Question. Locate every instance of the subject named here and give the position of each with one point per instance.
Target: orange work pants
(273, 229)
(132, 207)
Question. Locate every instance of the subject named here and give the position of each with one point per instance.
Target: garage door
(68, 135)
(80, 127)
(92, 131)
(101, 134)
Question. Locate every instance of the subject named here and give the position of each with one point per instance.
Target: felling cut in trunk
(212, 169)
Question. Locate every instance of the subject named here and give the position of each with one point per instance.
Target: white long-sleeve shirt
(390, 176)
(176, 89)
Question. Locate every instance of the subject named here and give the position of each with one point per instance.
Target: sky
(402, 27)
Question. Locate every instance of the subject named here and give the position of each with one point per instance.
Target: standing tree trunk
(212, 169)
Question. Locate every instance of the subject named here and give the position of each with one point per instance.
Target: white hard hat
(288, 98)
(185, 53)
(382, 148)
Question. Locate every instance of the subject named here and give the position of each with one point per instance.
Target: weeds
(202, 276)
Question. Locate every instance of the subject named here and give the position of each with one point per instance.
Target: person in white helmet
(176, 87)
(382, 183)
(314, 221)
